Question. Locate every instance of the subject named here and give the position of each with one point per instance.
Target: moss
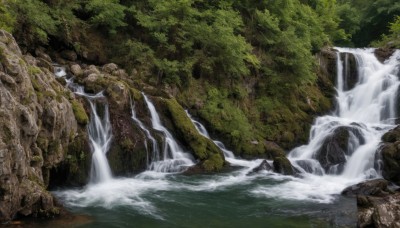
(79, 112)
(214, 163)
(127, 144)
(202, 147)
(32, 70)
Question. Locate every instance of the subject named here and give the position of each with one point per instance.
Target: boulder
(92, 69)
(283, 166)
(333, 151)
(76, 70)
(379, 211)
(378, 187)
(390, 155)
(264, 166)
(382, 54)
(110, 68)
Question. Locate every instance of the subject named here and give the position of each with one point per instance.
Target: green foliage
(34, 23)
(106, 13)
(374, 17)
(7, 19)
(391, 40)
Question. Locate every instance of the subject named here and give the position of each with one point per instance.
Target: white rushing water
(99, 129)
(364, 113)
(100, 139)
(174, 158)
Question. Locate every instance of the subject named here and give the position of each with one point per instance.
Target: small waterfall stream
(174, 159)
(99, 130)
(100, 139)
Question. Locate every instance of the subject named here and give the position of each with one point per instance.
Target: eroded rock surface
(37, 123)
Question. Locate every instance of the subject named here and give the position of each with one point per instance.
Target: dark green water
(222, 200)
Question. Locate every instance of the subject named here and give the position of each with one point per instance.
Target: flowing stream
(341, 152)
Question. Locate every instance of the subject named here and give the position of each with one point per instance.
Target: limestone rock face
(36, 124)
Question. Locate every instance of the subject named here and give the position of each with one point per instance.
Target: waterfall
(155, 155)
(364, 113)
(100, 140)
(173, 158)
(99, 129)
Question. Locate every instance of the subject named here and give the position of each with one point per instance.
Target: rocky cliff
(37, 124)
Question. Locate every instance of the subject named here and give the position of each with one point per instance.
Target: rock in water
(264, 166)
(378, 187)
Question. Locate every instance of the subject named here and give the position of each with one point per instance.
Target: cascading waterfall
(364, 113)
(99, 130)
(174, 159)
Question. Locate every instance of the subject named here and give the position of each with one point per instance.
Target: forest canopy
(249, 66)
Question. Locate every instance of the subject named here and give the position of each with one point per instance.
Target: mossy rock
(79, 112)
(282, 165)
(392, 135)
(204, 149)
(75, 169)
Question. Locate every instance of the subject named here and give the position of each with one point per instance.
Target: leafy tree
(34, 22)
(108, 14)
(7, 19)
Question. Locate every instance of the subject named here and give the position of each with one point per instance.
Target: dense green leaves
(106, 13)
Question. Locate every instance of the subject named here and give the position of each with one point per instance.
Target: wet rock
(390, 155)
(378, 187)
(327, 62)
(332, 153)
(283, 166)
(350, 70)
(382, 54)
(264, 166)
